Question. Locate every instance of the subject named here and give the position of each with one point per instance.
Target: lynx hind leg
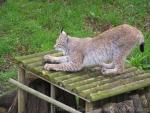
(107, 66)
(118, 66)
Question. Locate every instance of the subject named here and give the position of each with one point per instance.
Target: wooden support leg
(21, 98)
(88, 107)
(53, 96)
(148, 98)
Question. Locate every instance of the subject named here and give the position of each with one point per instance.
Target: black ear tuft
(62, 29)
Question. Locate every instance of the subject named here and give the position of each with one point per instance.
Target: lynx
(108, 50)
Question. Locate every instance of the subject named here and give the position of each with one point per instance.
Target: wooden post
(53, 96)
(148, 98)
(88, 107)
(21, 98)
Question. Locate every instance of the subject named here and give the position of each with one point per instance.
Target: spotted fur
(113, 45)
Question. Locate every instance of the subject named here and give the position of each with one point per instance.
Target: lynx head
(62, 42)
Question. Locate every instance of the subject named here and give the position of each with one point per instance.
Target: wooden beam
(52, 96)
(42, 96)
(21, 95)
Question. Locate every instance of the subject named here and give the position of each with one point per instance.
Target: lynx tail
(141, 42)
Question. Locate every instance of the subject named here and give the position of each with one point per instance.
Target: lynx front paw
(47, 57)
(47, 67)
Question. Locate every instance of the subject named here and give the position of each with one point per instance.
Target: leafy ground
(29, 26)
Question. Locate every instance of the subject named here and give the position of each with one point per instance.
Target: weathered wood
(38, 58)
(81, 105)
(143, 100)
(53, 96)
(119, 89)
(21, 93)
(44, 97)
(36, 64)
(88, 83)
(35, 104)
(101, 80)
(19, 58)
(137, 103)
(32, 60)
(107, 85)
(77, 79)
(147, 94)
(88, 107)
(45, 78)
(64, 76)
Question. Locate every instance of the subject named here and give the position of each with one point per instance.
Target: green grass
(29, 26)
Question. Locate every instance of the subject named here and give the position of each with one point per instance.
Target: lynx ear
(64, 33)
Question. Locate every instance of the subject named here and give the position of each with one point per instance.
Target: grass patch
(4, 76)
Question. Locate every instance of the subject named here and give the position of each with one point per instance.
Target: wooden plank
(42, 96)
(21, 95)
(79, 77)
(109, 85)
(19, 58)
(39, 58)
(119, 89)
(100, 80)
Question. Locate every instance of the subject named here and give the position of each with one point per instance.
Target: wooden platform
(88, 84)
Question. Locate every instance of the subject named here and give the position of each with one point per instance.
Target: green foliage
(29, 26)
(10, 73)
(136, 60)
